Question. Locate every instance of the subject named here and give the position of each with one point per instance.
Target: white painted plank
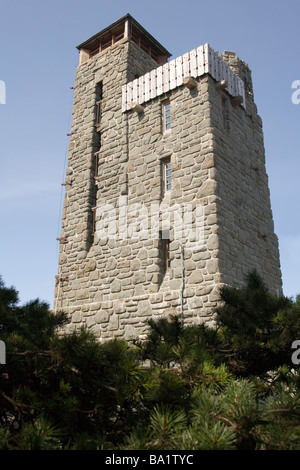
(212, 57)
(172, 65)
(224, 72)
(124, 98)
(135, 91)
(129, 95)
(170, 75)
(230, 81)
(232, 84)
(141, 97)
(193, 63)
(244, 97)
(179, 71)
(236, 86)
(166, 77)
(200, 60)
(186, 65)
(220, 70)
(216, 60)
(241, 88)
(153, 91)
(147, 86)
(159, 81)
(206, 58)
(217, 66)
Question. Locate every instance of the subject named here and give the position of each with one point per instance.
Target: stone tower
(166, 191)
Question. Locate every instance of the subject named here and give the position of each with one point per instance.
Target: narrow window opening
(96, 142)
(96, 164)
(93, 207)
(93, 221)
(99, 91)
(94, 170)
(166, 174)
(166, 116)
(166, 247)
(98, 112)
(164, 251)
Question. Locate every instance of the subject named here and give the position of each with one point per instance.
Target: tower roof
(126, 26)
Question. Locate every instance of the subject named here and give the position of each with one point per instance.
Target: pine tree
(247, 328)
(185, 387)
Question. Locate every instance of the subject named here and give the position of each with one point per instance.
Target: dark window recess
(98, 112)
(93, 224)
(164, 251)
(144, 45)
(93, 207)
(106, 41)
(99, 92)
(96, 141)
(96, 164)
(94, 52)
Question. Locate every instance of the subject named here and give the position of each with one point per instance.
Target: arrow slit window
(166, 172)
(166, 116)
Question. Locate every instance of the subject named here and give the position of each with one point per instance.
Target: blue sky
(38, 60)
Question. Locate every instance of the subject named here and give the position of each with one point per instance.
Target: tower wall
(245, 224)
(217, 218)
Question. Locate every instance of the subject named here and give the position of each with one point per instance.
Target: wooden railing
(171, 75)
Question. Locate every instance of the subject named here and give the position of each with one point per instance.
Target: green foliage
(37, 435)
(209, 436)
(287, 324)
(247, 328)
(185, 387)
(281, 419)
(165, 428)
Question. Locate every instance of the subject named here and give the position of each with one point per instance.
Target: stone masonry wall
(112, 282)
(246, 229)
